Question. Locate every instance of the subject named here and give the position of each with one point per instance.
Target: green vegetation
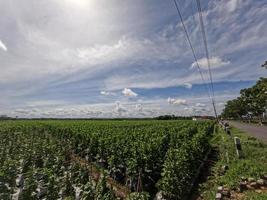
(34, 165)
(36, 159)
(252, 102)
(253, 164)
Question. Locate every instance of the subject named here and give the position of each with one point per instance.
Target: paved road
(254, 130)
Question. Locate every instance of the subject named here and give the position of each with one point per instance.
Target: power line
(204, 41)
(191, 46)
(207, 53)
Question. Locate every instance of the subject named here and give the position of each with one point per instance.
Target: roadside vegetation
(229, 170)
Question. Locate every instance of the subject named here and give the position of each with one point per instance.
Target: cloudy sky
(125, 58)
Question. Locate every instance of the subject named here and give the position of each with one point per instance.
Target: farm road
(259, 132)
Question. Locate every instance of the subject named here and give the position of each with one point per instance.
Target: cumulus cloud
(200, 104)
(3, 46)
(22, 111)
(35, 110)
(119, 109)
(188, 85)
(177, 101)
(126, 56)
(198, 110)
(106, 93)
(215, 62)
(129, 93)
(139, 107)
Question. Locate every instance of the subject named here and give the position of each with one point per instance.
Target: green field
(101, 159)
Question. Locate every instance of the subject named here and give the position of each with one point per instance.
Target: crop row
(146, 156)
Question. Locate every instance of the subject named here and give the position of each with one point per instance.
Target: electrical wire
(191, 47)
(207, 53)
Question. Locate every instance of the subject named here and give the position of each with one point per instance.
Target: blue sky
(123, 58)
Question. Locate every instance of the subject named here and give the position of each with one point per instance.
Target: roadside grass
(255, 196)
(253, 164)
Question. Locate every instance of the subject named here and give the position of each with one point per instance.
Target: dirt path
(119, 190)
(259, 132)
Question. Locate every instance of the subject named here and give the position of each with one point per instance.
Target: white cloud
(154, 79)
(232, 5)
(188, 85)
(201, 110)
(119, 109)
(44, 103)
(186, 108)
(3, 46)
(200, 104)
(129, 93)
(71, 54)
(105, 93)
(144, 108)
(22, 111)
(139, 107)
(177, 101)
(215, 62)
(221, 104)
(195, 110)
(35, 110)
(126, 55)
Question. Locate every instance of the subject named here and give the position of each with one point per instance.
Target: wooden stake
(238, 147)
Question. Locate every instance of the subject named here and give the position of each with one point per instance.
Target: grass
(254, 196)
(253, 164)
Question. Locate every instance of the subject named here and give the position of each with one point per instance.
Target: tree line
(251, 104)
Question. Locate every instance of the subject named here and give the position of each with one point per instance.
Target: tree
(252, 101)
(256, 97)
(234, 109)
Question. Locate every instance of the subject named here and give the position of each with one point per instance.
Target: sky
(124, 58)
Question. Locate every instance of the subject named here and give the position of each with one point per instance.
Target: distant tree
(4, 117)
(173, 117)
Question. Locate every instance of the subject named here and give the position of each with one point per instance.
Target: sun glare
(80, 3)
